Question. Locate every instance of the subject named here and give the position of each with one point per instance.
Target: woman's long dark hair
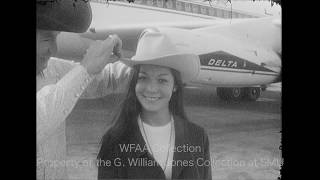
(130, 108)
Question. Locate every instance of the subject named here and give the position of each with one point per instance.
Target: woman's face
(46, 47)
(154, 87)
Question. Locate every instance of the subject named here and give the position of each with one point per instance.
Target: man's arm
(112, 79)
(56, 101)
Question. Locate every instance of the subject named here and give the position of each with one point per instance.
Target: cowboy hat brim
(186, 64)
(66, 15)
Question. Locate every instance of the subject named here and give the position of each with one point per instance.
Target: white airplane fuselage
(224, 62)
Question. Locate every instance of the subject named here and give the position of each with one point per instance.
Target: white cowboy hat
(155, 48)
(65, 15)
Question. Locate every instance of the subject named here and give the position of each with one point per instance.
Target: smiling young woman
(152, 117)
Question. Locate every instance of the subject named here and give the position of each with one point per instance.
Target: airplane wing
(127, 20)
(262, 32)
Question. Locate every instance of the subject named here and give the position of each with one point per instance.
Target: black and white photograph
(158, 89)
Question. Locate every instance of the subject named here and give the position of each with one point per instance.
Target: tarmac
(245, 137)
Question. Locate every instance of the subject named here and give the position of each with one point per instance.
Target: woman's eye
(141, 78)
(163, 80)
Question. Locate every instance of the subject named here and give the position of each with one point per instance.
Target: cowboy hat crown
(64, 15)
(156, 48)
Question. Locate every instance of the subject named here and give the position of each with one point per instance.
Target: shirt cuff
(74, 84)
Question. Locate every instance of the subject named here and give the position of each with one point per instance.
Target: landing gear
(234, 94)
(237, 94)
(252, 93)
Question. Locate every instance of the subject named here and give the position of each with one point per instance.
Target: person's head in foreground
(54, 17)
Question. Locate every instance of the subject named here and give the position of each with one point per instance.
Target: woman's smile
(151, 98)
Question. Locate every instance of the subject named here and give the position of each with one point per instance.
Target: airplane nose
(275, 66)
(279, 77)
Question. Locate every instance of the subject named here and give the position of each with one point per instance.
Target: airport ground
(244, 136)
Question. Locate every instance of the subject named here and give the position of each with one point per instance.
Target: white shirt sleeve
(56, 101)
(114, 78)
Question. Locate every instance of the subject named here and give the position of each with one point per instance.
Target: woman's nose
(152, 87)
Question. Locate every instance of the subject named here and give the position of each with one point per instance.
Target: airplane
(239, 57)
